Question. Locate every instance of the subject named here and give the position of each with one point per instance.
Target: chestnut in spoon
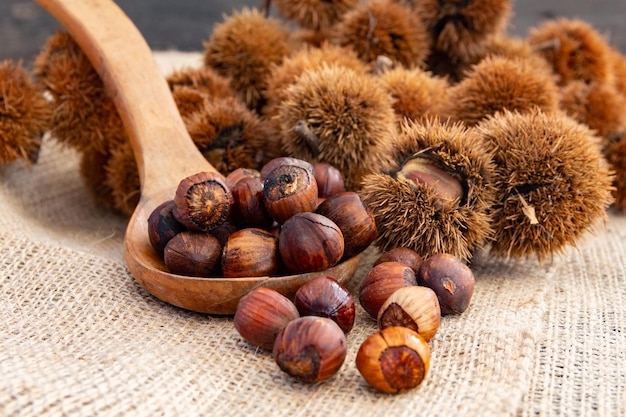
(164, 152)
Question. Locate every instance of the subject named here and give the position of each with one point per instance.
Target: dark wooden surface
(185, 24)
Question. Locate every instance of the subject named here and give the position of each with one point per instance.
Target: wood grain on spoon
(163, 149)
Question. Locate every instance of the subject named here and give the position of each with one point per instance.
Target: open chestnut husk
(261, 315)
(324, 296)
(393, 360)
(310, 349)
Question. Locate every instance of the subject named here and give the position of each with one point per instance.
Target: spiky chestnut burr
(574, 49)
(338, 116)
(383, 27)
(615, 153)
(244, 47)
(93, 174)
(316, 15)
(416, 93)
(437, 194)
(229, 135)
(24, 114)
(306, 59)
(599, 106)
(122, 178)
(84, 116)
(460, 28)
(498, 83)
(553, 185)
(192, 87)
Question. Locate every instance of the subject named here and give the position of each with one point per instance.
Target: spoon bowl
(164, 151)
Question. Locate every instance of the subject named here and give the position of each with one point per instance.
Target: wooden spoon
(164, 152)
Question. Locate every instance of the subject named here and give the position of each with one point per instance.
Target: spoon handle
(162, 146)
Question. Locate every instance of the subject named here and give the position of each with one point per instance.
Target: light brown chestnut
(202, 201)
(329, 179)
(382, 281)
(414, 307)
(193, 254)
(324, 296)
(162, 226)
(403, 255)
(355, 220)
(394, 360)
(289, 189)
(261, 315)
(451, 279)
(310, 349)
(250, 252)
(310, 242)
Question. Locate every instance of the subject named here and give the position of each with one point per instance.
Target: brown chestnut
(202, 201)
(414, 307)
(355, 220)
(382, 281)
(451, 279)
(282, 161)
(162, 226)
(289, 189)
(223, 232)
(329, 179)
(240, 173)
(310, 242)
(393, 360)
(250, 253)
(310, 349)
(403, 255)
(193, 254)
(261, 315)
(324, 296)
(248, 208)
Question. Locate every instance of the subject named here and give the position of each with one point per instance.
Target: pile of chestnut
(291, 217)
(404, 293)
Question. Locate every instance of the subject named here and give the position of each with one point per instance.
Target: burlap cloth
(79, 336)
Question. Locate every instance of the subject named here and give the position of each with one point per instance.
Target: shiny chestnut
(381, 281)
(324, 296)
(310, 349)
(261, 315)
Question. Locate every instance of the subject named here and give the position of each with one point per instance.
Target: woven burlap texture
(78, 336)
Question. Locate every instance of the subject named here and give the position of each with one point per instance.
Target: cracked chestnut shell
(324, 296)
(202, 201)
(382, 281)
(451, 279)
(310, 242)
(393, 360)
(414, 307)
(310, 349)
(261, 315)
